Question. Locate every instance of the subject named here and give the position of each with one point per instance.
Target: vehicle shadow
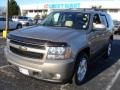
(102, 64)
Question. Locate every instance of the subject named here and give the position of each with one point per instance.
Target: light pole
(7, 21)
(7, 14)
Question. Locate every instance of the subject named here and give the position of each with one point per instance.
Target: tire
(80, 75)
(27, 24)
(108, 49)
(19, 26)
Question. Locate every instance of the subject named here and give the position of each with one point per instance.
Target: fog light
(57, 76)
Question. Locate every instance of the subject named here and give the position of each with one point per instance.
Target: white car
(12, 24)
(25, 21)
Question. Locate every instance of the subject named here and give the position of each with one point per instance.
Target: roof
(81, 10)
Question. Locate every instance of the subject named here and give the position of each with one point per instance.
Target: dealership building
(46, 6)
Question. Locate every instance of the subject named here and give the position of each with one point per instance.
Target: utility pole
(7, 20)
(7, 14)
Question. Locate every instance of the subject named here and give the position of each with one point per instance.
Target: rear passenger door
(105, 33)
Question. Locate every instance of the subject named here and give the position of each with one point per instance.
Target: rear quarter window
(104, 20)
(110, 22)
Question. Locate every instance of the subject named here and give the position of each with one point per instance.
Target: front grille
(36, 42)
(36, 48)
(42, 47)
(26, 53)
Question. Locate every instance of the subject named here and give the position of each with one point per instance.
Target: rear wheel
(27, 24)
(19, 26)
(81, 69)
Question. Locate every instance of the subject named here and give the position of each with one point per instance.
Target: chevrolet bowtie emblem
(23, 48)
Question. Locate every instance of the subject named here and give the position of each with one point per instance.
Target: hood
(56, 34)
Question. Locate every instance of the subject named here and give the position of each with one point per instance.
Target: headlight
(59, 53)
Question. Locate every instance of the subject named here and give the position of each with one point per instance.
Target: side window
(104, 20)
(81, 20)
(110, 22)
(96, 19)
(2, 19)
(56, 18)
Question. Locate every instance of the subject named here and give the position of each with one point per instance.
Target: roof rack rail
(93, 9)
(97, 9)
(84, 9)
(87, 9)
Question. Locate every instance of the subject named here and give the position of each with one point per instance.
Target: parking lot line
(113, 80)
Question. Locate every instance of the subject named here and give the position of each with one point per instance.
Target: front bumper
(24, 23)
(49, 70)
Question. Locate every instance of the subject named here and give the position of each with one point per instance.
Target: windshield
(75, 20)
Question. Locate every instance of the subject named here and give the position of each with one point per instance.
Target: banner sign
(64, 6)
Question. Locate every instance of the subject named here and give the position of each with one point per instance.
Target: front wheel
(27, 24)
(19, 26)
(81, 69)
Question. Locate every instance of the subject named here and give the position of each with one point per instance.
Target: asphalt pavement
(104, 74)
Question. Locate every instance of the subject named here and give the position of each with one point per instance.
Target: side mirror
(99, 27)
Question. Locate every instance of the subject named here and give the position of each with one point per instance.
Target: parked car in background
(25, 21)
(12, 24)
(116, 27)
(38, 21)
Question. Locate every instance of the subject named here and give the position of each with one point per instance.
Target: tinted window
(104, 20)
(110, 22)
(96, 19)
(81, 21)
(2, 19)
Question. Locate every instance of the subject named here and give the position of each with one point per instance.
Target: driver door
(12, 25)
(95, 36)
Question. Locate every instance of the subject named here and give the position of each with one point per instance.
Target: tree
(14, 8)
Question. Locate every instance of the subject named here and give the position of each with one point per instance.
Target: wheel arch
(19, 24)
(86, 50)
